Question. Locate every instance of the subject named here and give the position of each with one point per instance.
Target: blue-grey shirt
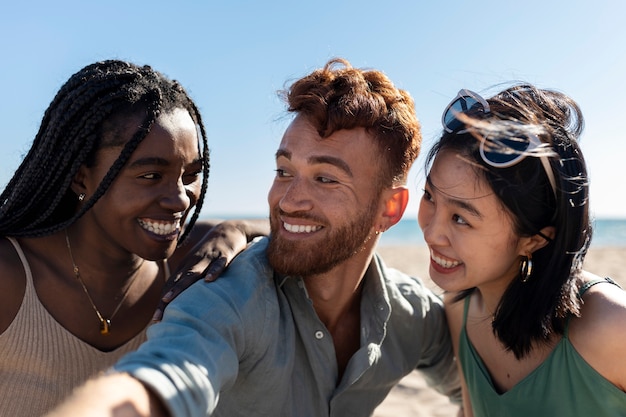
(251, 344)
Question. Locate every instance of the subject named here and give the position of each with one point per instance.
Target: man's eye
(281, 173)
(326, 180)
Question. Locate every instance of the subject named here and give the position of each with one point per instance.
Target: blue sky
(232, 56)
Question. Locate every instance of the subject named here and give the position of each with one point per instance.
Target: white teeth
(159, 228)
(443, 262)
(295, 228)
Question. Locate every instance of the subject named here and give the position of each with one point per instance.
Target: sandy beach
(412, 397)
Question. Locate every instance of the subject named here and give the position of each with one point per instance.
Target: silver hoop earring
(81, 196)
(526, 268)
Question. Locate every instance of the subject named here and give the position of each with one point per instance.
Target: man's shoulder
(396, 278)
(250, 267)
(254, 257)
(407, 287)
(248, 274)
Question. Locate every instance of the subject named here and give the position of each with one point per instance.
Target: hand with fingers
(209, 257)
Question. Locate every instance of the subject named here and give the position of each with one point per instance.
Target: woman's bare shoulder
(598, 334)
(604, 305)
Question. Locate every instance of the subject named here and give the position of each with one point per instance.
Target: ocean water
(607, 232)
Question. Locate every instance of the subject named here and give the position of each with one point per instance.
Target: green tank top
(563, 385)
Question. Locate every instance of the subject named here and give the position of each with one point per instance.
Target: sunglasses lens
(505, 152)
(460, 105)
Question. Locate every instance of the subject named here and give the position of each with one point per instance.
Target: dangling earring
(81, 196)
(526, 268)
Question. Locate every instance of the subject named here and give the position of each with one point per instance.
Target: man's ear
(539, 240)
(396, 200)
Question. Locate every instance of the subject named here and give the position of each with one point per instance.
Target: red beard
(321, 253)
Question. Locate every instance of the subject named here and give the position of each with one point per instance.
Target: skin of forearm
(114, 395)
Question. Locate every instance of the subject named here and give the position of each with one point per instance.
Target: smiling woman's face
(145, 206)
(470, 235)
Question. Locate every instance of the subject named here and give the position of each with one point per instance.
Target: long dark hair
(533, 311)
(82, 119)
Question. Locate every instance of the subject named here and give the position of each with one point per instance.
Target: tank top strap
(20, 253)
(590, 284)
(466, 304)
(582, 292)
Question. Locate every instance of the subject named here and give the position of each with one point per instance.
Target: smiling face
(145, 206)
(325, 199)
(470, 236)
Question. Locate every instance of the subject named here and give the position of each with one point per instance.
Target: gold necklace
(105, 324)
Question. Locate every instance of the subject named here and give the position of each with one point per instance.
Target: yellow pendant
(105, 324)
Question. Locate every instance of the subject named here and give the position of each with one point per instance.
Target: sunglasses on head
(500, 152)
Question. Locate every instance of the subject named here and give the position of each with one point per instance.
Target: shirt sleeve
(195, 351)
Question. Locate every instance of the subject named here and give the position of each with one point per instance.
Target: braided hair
(81, 120)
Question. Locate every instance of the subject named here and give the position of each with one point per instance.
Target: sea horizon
(607, 232)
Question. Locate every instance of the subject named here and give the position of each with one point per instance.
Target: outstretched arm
(114, 395)
(212, 333)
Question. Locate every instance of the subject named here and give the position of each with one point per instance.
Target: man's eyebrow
(331, 160)
(284, 153)
(462, 204)
(320, 159)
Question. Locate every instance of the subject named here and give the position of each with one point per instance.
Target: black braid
(125, 155)
(54, 168)
(205, 172)
(38, 200)
(42, 172)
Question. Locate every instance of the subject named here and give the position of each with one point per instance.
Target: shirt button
(319, 334)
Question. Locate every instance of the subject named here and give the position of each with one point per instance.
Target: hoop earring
(81, 196)
(526, 268)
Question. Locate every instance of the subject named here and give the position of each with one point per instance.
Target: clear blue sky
(232, 56)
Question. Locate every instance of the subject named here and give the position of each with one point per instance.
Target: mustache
(277, 213)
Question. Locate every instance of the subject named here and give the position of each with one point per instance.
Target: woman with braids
(110, 189)
(505, 214)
